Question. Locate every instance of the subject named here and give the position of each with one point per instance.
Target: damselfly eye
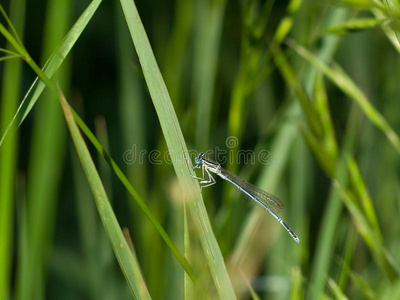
(199, 158)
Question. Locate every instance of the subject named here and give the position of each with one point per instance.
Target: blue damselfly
(267, 201)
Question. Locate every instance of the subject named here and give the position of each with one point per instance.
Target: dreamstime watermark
(229, 155)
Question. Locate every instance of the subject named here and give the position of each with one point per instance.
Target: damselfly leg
(204, 182)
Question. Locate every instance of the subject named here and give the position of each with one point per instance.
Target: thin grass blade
(126, 259)
(176, 144)
(10, 87)
(348, 86)
(354, 25)
(52, 65)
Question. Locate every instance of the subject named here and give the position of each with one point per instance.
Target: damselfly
(267, 201)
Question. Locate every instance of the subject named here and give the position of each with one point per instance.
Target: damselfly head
(199, 158)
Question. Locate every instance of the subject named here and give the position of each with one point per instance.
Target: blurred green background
(313, 85)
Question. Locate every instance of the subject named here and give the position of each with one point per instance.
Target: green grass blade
(366, 201)
(178, 48)
(296, 284)
(286, 24)
(47, 152)
(293, 82)
(391, 34)
(52, 65)
(8, 51)
(253, 293)
(23, 250)
(354, 25)
(12, 40)
(367, 291)
(125, 258)
(331, 217)
(349, 249)
(209, 20)
(176, 144)
(8, 154)
(322, 109)
(135, 195)
(11, 25)
(188, 284)
(89, 233)
(7, 57)
(251, 245)
(347, 85)
(337, 292)
(376, 246)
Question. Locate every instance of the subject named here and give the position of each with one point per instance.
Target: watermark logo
(223, 156)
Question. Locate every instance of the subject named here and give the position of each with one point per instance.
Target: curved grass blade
(348, 86)
(122, 177)
(11, 25)
(51, 66)
(186, 266)
(355, 25)
(336, 290)
(176, 144)
(126, 259)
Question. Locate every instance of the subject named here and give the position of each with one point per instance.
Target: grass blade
(347, 85)
(52, 65)
(354, 25)
(176, 144)
(336, 290)
(125, 258)
(209, 19)
(188, 284)
(135, 195)
(8, 154)
(296, 286)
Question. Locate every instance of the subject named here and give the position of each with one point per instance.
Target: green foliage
(312, 85)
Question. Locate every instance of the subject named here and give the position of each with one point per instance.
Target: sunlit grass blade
(391, 33)
(363, 4)
(321, 107)
(348, 86)
(52, 65)
(296, 284)
(354, 25)
(128, 264)
(337, 292)
(176, 144)
(366, 201)
(286, 24)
